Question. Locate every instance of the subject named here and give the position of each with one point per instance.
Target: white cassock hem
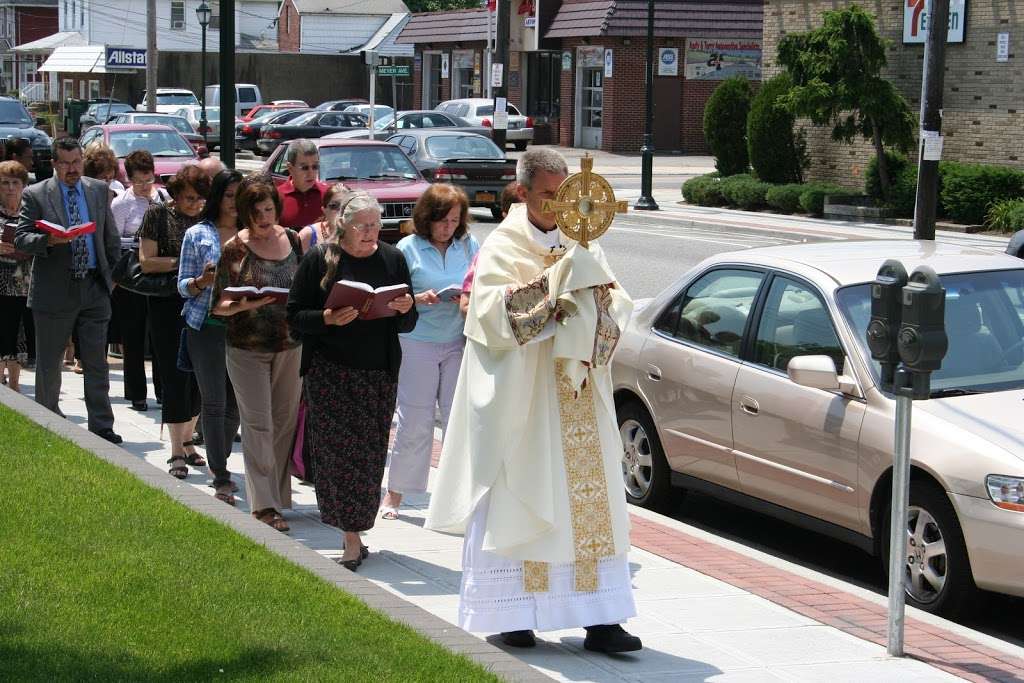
(492, 599)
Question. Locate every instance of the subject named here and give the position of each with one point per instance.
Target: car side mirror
(819, 372)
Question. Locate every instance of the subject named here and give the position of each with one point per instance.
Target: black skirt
(348, 420)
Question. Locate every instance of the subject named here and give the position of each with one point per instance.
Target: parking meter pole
(898, 515)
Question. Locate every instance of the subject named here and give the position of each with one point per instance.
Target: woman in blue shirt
(205, 334)
(438, 254)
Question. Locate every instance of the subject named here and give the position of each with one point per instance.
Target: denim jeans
(206, 348)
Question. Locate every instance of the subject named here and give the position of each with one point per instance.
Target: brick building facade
(558, 74)
(983, 109)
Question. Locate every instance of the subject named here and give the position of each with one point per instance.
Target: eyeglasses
(143, 183)
(366, 227)
(334, 206)
(307, 167)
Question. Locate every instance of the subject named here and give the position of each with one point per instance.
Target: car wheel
(645, 472)
(496, 213)
(937, 574)
(520, 145)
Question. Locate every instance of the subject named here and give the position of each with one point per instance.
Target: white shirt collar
(551, 239)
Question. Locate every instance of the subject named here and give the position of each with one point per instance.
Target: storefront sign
(463, 59)
(530, 22)
(668, 61)
(566, 60)
(444, 65)
(497, 71)
(713, 59)
(1003, 47)
(608, 63)
(126, 57)
(915, 21)
(589, 56)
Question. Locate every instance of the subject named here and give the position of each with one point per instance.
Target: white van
(247, 96)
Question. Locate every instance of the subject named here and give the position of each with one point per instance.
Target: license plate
(485, 196)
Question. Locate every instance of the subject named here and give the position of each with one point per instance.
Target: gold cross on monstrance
(584, 205)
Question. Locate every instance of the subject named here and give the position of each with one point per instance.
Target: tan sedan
(750, 379)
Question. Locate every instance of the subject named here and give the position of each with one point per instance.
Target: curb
(434, 628)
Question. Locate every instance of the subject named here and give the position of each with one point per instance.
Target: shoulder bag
(128, 273)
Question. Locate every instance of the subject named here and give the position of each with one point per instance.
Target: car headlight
(1006, 492)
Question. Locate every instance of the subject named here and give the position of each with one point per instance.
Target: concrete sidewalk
(709, 609)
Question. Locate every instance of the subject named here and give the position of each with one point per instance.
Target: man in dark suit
(71, 282)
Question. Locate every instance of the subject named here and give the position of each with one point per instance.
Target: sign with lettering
(915, 20)
(126, 58)
(403, 71)
(715, 59)
(590, 56)
(668, 61)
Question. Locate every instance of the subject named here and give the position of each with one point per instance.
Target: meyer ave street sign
(405, 71)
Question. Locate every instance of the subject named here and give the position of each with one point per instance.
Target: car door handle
(654, 372)
(749, 405)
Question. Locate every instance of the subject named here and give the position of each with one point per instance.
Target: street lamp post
(645, 202)
(203, 13)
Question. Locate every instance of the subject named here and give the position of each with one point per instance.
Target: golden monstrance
(585, 204)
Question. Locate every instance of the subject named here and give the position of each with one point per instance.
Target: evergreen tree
(725, 125)
(777, 152)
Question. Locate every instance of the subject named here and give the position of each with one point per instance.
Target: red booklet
(7, 236)
(61, 231)
(371, 303)
(279, 294)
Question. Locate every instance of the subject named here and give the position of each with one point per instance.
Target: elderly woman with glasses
(351, 368)
(15, 275)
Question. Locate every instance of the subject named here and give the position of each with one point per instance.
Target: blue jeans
(206, 348)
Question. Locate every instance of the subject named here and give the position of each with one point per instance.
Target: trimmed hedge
(812, 199)
(744, 192)
(1006, 215)
(725, 125)
(897, 163)
(704, 190)
(777, 153)
(785, 198)
(969, 190)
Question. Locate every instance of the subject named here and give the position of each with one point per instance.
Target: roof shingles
(445, 27)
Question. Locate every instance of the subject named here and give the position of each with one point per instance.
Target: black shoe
(140, 406)
(197, 439)
(518, 638)
(610, 639)
(110, 435)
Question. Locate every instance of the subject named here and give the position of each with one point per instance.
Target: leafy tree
(440, 5)
(777, 153)
(836, 72)
(725, 125)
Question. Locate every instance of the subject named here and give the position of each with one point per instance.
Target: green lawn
(104, 578)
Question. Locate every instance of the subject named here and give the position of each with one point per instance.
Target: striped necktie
(79, 249)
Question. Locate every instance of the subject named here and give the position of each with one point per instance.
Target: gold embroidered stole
(587, 488)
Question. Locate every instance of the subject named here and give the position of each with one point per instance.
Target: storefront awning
(675, 18)
(53, 41)
(79, 59)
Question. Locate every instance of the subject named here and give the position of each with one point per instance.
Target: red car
(261, 109)
(169, 149)
(380, 168)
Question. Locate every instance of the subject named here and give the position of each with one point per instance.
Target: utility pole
(151, 55)
(227, 82)
(499, 68)
(930, 147)
(645, 202)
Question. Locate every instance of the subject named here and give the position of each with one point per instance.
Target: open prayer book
(7, 235)
(449, 293)
(371, 303)
(278, 294)
(61, 231)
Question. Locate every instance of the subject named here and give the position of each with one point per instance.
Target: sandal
(224, 495)
(388, 512)
(273, 519)
(350, 565)
(178, 471)
(193, 458)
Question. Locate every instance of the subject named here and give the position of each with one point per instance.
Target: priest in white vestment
(530, 470)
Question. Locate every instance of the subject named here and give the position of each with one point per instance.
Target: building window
(94, 90)
(68, 88)
(543, 89)
(177, 15)
(214, 14)
(462, 74)
(83, 90)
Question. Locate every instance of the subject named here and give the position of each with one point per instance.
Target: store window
(462, 74)
(94, 90)
(543, 89)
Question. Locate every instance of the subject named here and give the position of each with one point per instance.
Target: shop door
(591, 99)
(667, 115)
(431, 79)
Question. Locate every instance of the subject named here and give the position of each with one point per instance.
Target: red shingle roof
(679, 18)
(445, 27)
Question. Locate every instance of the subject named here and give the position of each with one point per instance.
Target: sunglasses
(334, 206)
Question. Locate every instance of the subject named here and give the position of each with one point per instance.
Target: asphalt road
(648, 251)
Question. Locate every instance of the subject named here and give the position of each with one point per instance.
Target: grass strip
(105, 578)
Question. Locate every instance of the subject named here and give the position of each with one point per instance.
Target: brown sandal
(193, 458)
(273, 519)
(224, 494)
(178, 471)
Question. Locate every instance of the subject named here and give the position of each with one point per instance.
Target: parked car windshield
(306, 119)
(352, 163)
(159, 143)
(462, 147)
(14, 112)
(984, 324)
(176, 122)
(176, 98)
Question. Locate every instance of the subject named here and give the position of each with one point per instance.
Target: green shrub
(744, 192)
(968, 190)
(903, 192)
(725, 125)
(1006, 215)
(704, 190)
(896, 164)
(812, 199)
(785, 198)
(777, 153)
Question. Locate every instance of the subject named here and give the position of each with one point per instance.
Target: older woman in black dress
(350, 368)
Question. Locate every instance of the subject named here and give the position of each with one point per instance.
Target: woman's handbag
(127, 273)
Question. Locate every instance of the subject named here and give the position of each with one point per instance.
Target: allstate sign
(916, 14)
(126, 58)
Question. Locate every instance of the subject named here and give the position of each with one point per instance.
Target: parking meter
(886, 311)
(922, 340)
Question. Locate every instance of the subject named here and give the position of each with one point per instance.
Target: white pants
(426, 380)
(492, 599)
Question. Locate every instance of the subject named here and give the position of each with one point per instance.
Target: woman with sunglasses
(321, 230)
